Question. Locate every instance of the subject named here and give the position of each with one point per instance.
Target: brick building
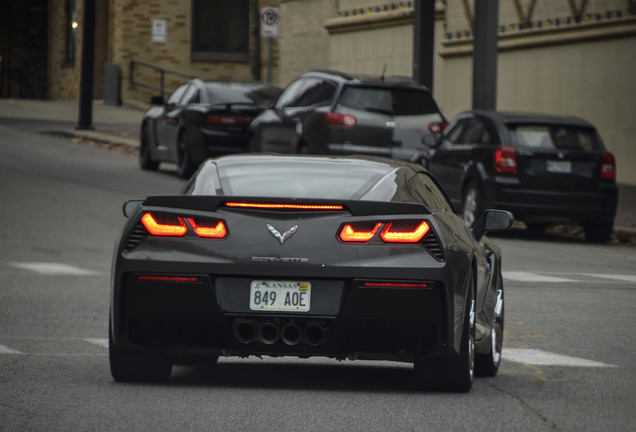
(559, 56)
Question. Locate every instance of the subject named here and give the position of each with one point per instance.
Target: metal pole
(88, 60)
(424, 42)
(270, 42)
(485, 54)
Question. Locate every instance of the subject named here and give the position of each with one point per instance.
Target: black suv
(545, 169)
(328, 112)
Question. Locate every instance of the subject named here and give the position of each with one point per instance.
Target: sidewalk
(120, 125)
(110, 124)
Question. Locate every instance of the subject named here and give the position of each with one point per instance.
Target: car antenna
(383, 72)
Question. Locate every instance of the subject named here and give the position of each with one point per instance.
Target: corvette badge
(285, 235)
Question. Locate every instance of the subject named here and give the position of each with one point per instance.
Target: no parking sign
(270, 21)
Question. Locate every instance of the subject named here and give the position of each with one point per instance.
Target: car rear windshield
(232, 93)
(306, 180)
(551, 137)
(390, 101)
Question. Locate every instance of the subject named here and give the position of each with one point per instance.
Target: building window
(220, 29)
(71, 30)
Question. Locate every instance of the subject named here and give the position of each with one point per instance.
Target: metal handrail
(162, 76)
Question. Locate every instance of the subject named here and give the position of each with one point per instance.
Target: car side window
(453, 133)
(473, 132)
(176, 95)
(314, 92)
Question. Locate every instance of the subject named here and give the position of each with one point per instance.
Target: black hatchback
(545, 169)
(330, 112)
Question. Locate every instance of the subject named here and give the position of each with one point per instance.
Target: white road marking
(53, 269)
(545, 358)
(6, 350)
(100, 342)
(623, 278)
(533, 277)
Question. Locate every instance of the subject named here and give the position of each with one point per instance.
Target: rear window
(316, 180)
(554, 137)
(397, 102)
(231, 93)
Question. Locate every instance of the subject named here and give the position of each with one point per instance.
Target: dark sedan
(348, 258)
(201, 119)
(545, 169)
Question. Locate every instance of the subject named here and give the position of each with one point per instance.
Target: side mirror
(493, 221)
(157, 100)
(130, 206)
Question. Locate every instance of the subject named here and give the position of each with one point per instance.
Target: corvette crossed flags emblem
(285, 235)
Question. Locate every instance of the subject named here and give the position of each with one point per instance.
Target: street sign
(270, 22)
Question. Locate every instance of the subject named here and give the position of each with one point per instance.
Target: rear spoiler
(212, 203)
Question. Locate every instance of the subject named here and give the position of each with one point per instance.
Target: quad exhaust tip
(269, 332)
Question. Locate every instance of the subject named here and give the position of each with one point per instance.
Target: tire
(145, 158)
(137, 365)
(302, 149)
(185, 167)
(452, 374)
(599, 231)
(471, 204)
(488, 364)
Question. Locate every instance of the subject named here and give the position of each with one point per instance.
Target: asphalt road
(568, 358)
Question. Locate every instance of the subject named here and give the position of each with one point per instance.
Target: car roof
(360, 78)
(520, 117)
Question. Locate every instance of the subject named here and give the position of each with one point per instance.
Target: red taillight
(277, 206)
(437, 127)
(359, 232)
(400, 232)
(506, 160)
(164, 225)
(608, 166)
(168, 278)
(395, 285)
(228, 120)
(337, 119)
(393, 232)
(208, 228)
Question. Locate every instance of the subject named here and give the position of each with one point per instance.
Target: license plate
(560, 167)
(280, 296)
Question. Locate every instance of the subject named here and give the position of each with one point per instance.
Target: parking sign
(270, 21)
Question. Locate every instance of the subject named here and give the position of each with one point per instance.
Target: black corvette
(201, 119)
(343, 257)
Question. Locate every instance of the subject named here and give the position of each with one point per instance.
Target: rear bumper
(219, 143)
(553, 206)
(346, 320)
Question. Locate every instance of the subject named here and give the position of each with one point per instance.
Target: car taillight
(337, 119)
(401, 232)
(506, 160)
(437, 127)
(155, 278)
(395, 285)
(608, 166)
(208, 228)
(228, 120)
(359, 232)
(393, 232)
(164, 225)
(168, 225)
